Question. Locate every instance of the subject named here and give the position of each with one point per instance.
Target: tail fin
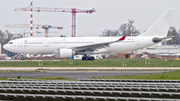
(161, 26)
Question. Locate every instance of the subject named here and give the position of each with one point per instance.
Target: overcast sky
(110, 14)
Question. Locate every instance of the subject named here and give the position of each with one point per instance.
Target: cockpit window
(10, 42)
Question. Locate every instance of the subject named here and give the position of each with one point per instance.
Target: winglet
(122, 38)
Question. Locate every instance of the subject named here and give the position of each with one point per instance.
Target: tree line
(123, 30)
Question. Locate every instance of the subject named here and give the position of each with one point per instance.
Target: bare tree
(5, 37)
(172, 32)
(123, 30)
(107, 32)
(1, 39)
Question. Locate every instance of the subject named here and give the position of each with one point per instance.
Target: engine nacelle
(63, 53)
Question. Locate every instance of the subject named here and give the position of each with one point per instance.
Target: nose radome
(5, 46)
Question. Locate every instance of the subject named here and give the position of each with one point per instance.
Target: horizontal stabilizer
(156, 39)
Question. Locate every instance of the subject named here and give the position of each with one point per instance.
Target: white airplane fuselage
(48, 45)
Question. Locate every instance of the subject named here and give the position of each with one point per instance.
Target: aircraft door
(20, 43)
(46, 44)
(137, 42)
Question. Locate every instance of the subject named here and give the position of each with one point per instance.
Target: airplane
(64, 47)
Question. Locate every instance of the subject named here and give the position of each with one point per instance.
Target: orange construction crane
(37, 26)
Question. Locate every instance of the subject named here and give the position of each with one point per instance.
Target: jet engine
(63, 53)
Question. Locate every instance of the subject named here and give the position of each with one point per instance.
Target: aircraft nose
(5, 46)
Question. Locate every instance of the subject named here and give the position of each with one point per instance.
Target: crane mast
(31, 18)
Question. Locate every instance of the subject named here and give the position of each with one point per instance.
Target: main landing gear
(85, 57)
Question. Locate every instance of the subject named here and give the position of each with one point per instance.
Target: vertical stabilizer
(161, 26)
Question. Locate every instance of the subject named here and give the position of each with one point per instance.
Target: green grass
(96, 63)
(173, 75)
(3, 78)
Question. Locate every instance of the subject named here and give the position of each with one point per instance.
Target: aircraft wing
(96, 45)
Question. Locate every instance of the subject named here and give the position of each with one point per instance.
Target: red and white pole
(31, 18)
(131, 29)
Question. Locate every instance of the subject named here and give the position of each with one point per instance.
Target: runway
(72, 74)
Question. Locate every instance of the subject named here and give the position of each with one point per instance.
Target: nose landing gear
(22, 58)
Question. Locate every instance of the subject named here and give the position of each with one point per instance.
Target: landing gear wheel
(83, 58)
(22, 58)
(92, 58)
(87, 58)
